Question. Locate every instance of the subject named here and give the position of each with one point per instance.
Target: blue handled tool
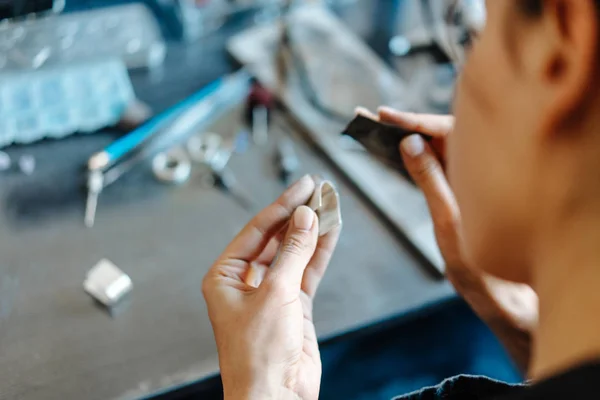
(122, 146)
(162, 131)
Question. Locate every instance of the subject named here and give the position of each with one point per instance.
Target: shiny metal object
(203, 148)
(95, 184)
(173, 166)
(26, 164)
(209, 150)
(325, 201)
(260, 125)
(5, 161)
(106, 283)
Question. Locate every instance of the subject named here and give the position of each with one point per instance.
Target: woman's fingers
(427, 124)
(320, 260)
(438, 127)
(255, 274)
(268, 254)
(253, 238)
(297, 249)
(428, 174)
(365, 112)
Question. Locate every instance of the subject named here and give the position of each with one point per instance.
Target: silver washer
(204, 147)
(172, 167)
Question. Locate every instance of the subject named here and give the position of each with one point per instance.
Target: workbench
(56, 343)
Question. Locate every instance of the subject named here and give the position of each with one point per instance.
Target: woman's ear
(567, 61)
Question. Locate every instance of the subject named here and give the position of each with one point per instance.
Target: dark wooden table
(55, 343)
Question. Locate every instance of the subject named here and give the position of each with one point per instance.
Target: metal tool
(207, 149)
(95, 184)
(177, 122)
(106, 283)
(286, 158)
(225, 181)
(260, 125)
(165, 130)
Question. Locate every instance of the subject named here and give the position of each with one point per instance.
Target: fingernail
(303, 218)
(302, 181)
(360, 110)
(364, 112)
(413, 145)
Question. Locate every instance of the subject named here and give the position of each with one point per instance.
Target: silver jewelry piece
(325, 202)
(173, 166)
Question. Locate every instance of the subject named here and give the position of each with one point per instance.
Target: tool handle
(124, 145)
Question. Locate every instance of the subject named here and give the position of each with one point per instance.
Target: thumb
(296, 251)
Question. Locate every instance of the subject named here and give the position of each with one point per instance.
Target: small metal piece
(95, 184)
(173, 166)
(260, 125)
(107, 283)
(27, 164)
(287, 161)
(225, 180)
(208, 149)
(5, 161)
(325, 201)
(202, 148)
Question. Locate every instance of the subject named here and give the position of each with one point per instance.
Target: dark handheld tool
(380, 139)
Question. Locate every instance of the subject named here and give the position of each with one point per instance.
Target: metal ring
(173, 166)
(202, 148)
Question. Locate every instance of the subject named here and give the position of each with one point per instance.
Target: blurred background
(137, 138)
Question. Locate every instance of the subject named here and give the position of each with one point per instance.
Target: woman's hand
(259, 295)
(510, 309)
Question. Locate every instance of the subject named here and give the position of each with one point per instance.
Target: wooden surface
(56, 344)
(345, 73)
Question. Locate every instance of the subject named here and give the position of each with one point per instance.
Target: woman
(522, 211)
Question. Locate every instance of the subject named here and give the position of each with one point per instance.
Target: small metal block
(107, 283)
